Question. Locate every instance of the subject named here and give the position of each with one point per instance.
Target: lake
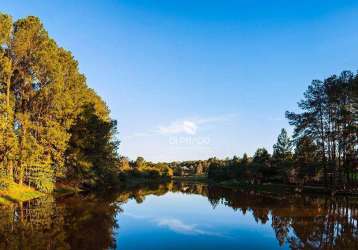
(181, 215)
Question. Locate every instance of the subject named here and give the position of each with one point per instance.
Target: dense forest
(53, 127)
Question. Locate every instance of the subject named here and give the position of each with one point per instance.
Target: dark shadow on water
(89, 221)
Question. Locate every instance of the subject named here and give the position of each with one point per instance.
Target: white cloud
(184, 126)
(180, 127)
(191, 126)
(174, 225)
(180, 227)
(177, 226)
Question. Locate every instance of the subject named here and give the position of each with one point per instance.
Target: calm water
(181, 216)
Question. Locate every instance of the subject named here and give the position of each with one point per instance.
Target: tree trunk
(22, 143)
(10, 169)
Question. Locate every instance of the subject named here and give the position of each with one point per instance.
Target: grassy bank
(11, 192)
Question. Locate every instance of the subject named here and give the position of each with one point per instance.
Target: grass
(12, 192)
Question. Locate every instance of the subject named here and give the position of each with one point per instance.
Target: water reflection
(74, 223)
(90, 222)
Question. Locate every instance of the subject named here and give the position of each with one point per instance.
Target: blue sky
(195, 79)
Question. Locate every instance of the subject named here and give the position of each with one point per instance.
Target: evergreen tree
(306, 151)
(330, 119)
(282, 148)
(262, 157)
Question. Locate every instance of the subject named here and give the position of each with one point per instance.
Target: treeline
(142, 169)
(323, 149)
(280, 167)
(53, 127)
(190, 168)
(328, 125)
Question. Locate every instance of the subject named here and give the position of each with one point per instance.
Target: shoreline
(267, 187)
(14, 193)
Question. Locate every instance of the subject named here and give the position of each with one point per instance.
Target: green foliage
(140, 163)
(325, 141)
(5, 28)
(123, 164)
(142, 169)
(282, 150)
(92, 152)
(262, 157)
(327, 128)
(52, 126)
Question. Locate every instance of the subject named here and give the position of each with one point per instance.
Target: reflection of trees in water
(90, 223)
(45, 224)
(334, 226)
(32, 225)
(303, 222)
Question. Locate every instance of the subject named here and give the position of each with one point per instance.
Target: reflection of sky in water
(188, 221)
